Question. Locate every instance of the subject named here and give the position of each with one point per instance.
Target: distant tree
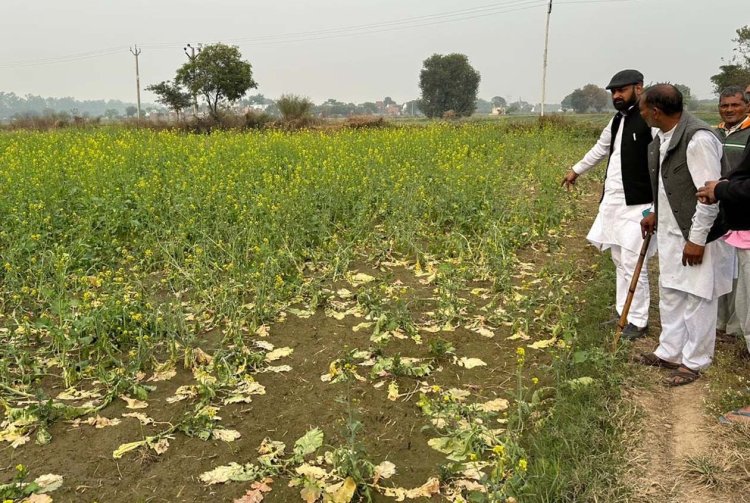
(519, 107)
(111, 113)
(499, 101)
(483, 106)
(368, 107)
(583, 99)
(448, 83)
(219, 74)
(171, 95)
(292, 106)
(596, 96)
(129, 111)
(388, 101)
(687, 97)
(737, 71)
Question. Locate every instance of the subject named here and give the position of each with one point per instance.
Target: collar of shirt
(743, 124)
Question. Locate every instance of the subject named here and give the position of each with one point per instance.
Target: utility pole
(136, 52)
(191, 56)
(544, 68)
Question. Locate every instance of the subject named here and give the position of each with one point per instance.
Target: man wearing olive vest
(734, 131)
(694, 270)
(627, 193)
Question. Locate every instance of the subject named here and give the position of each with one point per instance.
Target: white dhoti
(688, 328)
(617, 228)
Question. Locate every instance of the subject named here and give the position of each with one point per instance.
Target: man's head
(661, 106)
(733, 105)
(626, 87)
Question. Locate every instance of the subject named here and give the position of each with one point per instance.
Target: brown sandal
(654, 361)
(682, 375)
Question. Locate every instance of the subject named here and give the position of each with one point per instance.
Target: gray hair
(731, 91)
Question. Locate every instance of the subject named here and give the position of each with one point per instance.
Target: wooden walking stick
(631, 292)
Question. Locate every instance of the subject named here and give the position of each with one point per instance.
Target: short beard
(623, 105)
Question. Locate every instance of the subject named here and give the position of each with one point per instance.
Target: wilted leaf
(232, 471)
(278, 368)
(38, 498)
(164, 374)
(140, 416)
(262, 331)
(133, 403)
(393, 391)
(125, 448)
(74, 394)
(470, 363)
(200, 357)
(48, 483)
(278, 353)
(459, 395)
(310, 493)
(542, 344)
(359, 278)
(308, 443)
(257, 491)
(183, 392)
(361, 326)
(384, 470)
(225, 435)
(343, 493)
(100, 422)
(497, 405)
(426, 490)
(299, 313)
(311, 472)
(160, 446)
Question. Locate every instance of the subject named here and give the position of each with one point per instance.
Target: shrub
(293, 107)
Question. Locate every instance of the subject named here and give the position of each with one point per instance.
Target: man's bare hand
(569, 180)
(648, 225)
(692, 254)
(707, 193)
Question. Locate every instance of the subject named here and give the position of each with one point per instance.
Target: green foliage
(737, 71)
(448, 83)
(584, 99)
(293, 107)
(217, 73)
(171, 96)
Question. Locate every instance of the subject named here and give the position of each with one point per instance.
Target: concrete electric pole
(191, 56)
(544, 67)
(136, 52)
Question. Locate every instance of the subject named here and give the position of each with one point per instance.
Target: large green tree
(737, 72)
(219, 74)
(448, 83)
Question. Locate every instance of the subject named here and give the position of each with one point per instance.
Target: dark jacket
(734, 196)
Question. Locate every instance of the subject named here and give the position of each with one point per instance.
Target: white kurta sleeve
(597, 153)
(704, 163)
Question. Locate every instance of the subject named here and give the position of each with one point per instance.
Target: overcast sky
(364, 50)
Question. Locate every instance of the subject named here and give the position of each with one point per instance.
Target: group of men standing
(665, 172)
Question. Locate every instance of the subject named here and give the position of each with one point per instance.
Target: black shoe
(631, 332)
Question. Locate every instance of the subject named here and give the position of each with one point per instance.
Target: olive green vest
(734, 147)
(678, 184)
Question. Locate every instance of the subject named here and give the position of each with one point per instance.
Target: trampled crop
(122, 252)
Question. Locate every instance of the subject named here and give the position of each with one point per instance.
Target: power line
(486, 10)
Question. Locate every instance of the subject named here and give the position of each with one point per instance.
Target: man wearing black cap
(627, 194)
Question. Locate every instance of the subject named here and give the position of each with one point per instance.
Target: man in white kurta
(617, 224)
(693, 273)
(689, 294)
